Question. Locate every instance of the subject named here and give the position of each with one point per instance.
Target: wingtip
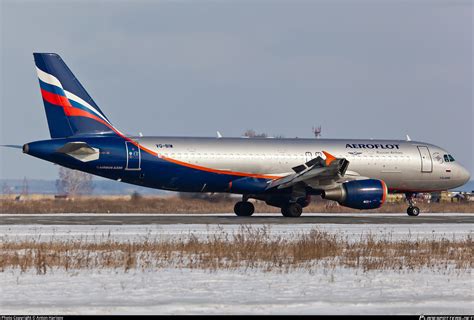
(329, 158)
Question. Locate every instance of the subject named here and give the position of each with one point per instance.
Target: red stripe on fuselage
(232, 173)
(71, 111)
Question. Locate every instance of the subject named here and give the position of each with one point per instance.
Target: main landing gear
(244, 209)
(412, 210)
(290, 207)
(292, 210)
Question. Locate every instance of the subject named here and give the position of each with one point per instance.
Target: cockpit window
(448, 158)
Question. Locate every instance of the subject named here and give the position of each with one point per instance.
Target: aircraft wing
(317, 173)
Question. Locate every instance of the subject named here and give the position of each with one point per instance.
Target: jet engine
(359, 194)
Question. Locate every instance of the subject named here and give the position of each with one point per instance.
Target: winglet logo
(329, 158)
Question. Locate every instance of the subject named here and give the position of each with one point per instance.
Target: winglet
(329, 158)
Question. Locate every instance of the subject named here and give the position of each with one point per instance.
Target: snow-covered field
(177, 291)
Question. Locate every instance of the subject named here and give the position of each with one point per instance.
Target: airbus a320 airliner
(284, 173)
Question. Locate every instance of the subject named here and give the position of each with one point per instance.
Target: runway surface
(165, 219)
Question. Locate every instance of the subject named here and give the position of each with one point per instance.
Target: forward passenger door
(426, 161)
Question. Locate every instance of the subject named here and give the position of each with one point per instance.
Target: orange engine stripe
(385, 191)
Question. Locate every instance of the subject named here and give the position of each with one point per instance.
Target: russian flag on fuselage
(69, 108)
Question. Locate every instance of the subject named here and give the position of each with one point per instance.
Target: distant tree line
(73, 182)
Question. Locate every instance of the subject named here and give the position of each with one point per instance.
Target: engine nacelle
(283, 200)
(359, 194)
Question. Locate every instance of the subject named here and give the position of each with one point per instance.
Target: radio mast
(25, 188)
(317, 132)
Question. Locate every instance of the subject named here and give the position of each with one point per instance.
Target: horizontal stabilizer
(15, 146)
(80, 151)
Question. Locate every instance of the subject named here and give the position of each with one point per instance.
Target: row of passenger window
(231, 155)
(276, 156)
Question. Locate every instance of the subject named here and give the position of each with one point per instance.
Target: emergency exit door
(133, 156)
(426, 161)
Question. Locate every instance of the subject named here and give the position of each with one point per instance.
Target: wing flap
(317, 171)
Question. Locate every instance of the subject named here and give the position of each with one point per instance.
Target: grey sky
(361, 69)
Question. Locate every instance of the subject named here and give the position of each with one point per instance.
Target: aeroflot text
(372, 146)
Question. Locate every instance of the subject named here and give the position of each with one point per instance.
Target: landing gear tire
(413, 211)
(293, 210)
(244, 209)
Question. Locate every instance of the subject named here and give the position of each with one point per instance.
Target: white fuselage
(403, 165)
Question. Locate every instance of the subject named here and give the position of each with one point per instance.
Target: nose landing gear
(412, 210)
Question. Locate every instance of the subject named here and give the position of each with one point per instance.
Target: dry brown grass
(246, 248)
(177, 205)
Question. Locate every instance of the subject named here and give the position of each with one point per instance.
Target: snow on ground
(133, 233)
(184, 291)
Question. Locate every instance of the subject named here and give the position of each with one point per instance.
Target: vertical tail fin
(69, 108)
